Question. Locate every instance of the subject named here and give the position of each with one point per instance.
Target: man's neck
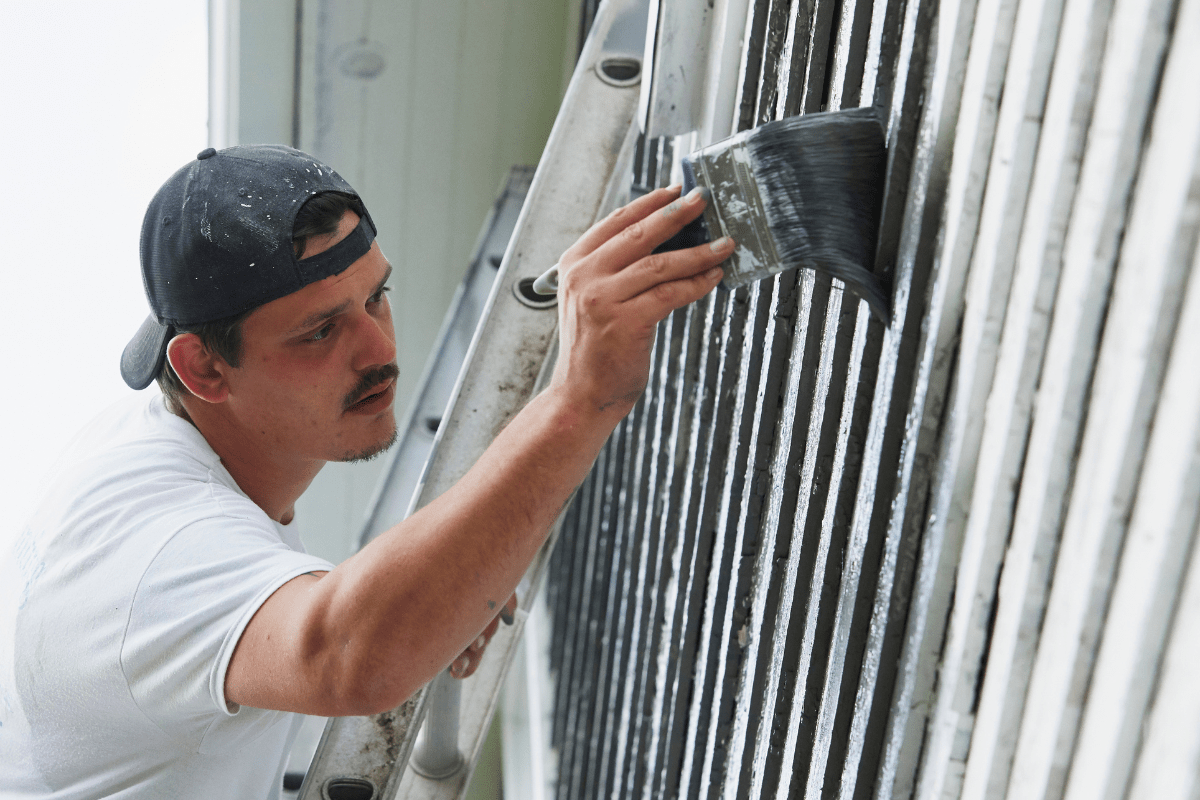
(272, 485)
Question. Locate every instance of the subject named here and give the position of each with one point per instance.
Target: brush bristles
(822, 200)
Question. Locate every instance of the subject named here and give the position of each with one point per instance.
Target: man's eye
(375, 298)
(322, 333)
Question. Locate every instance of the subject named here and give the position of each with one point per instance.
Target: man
(159, 618)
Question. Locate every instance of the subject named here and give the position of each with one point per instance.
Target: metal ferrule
(736, 210)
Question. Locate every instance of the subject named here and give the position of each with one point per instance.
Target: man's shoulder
(142, 425)
(138, 439)
(136, 465)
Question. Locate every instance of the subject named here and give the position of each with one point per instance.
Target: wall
(952, 556)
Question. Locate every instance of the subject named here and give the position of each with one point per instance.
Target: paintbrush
(799, 192)
(804, 191)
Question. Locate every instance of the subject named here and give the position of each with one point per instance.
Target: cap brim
(144, 355)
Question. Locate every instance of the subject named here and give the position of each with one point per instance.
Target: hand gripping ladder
(584, 172)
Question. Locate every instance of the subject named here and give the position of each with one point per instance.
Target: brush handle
(692, 234)
(547, 283)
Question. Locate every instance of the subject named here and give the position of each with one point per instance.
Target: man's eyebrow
(315, 319)
(387, 276)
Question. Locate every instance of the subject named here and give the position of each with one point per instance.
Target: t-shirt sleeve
(191, 605)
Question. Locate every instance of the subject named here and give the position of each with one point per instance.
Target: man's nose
(377, 342)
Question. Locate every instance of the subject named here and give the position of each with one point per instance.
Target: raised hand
(613, 291)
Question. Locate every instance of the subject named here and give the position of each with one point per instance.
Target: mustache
(369, 380)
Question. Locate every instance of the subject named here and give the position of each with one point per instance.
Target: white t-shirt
(120, 606)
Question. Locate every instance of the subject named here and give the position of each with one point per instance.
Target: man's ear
(199, 369)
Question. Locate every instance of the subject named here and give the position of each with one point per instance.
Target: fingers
(620, 219)
(636, 240)
(465, 665)
(663, 298)
(662, 269)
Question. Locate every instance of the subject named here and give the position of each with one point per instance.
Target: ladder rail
(583, 173)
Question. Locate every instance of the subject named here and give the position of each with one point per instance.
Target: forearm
(412, 600)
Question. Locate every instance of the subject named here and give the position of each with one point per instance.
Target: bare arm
(365, 636)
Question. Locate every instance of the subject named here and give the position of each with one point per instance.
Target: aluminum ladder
(583, 173)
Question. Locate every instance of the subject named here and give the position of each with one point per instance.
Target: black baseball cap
(217, 241)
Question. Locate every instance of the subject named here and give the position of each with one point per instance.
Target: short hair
(319, 216)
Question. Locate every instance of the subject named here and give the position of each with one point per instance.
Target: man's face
(318, 375)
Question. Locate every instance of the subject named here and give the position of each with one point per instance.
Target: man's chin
(372, 451)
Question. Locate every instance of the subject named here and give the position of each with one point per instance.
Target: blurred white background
(101, 103)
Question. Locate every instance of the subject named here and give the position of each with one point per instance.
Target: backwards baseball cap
(217, 241)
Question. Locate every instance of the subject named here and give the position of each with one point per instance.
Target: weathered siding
(951, 557)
